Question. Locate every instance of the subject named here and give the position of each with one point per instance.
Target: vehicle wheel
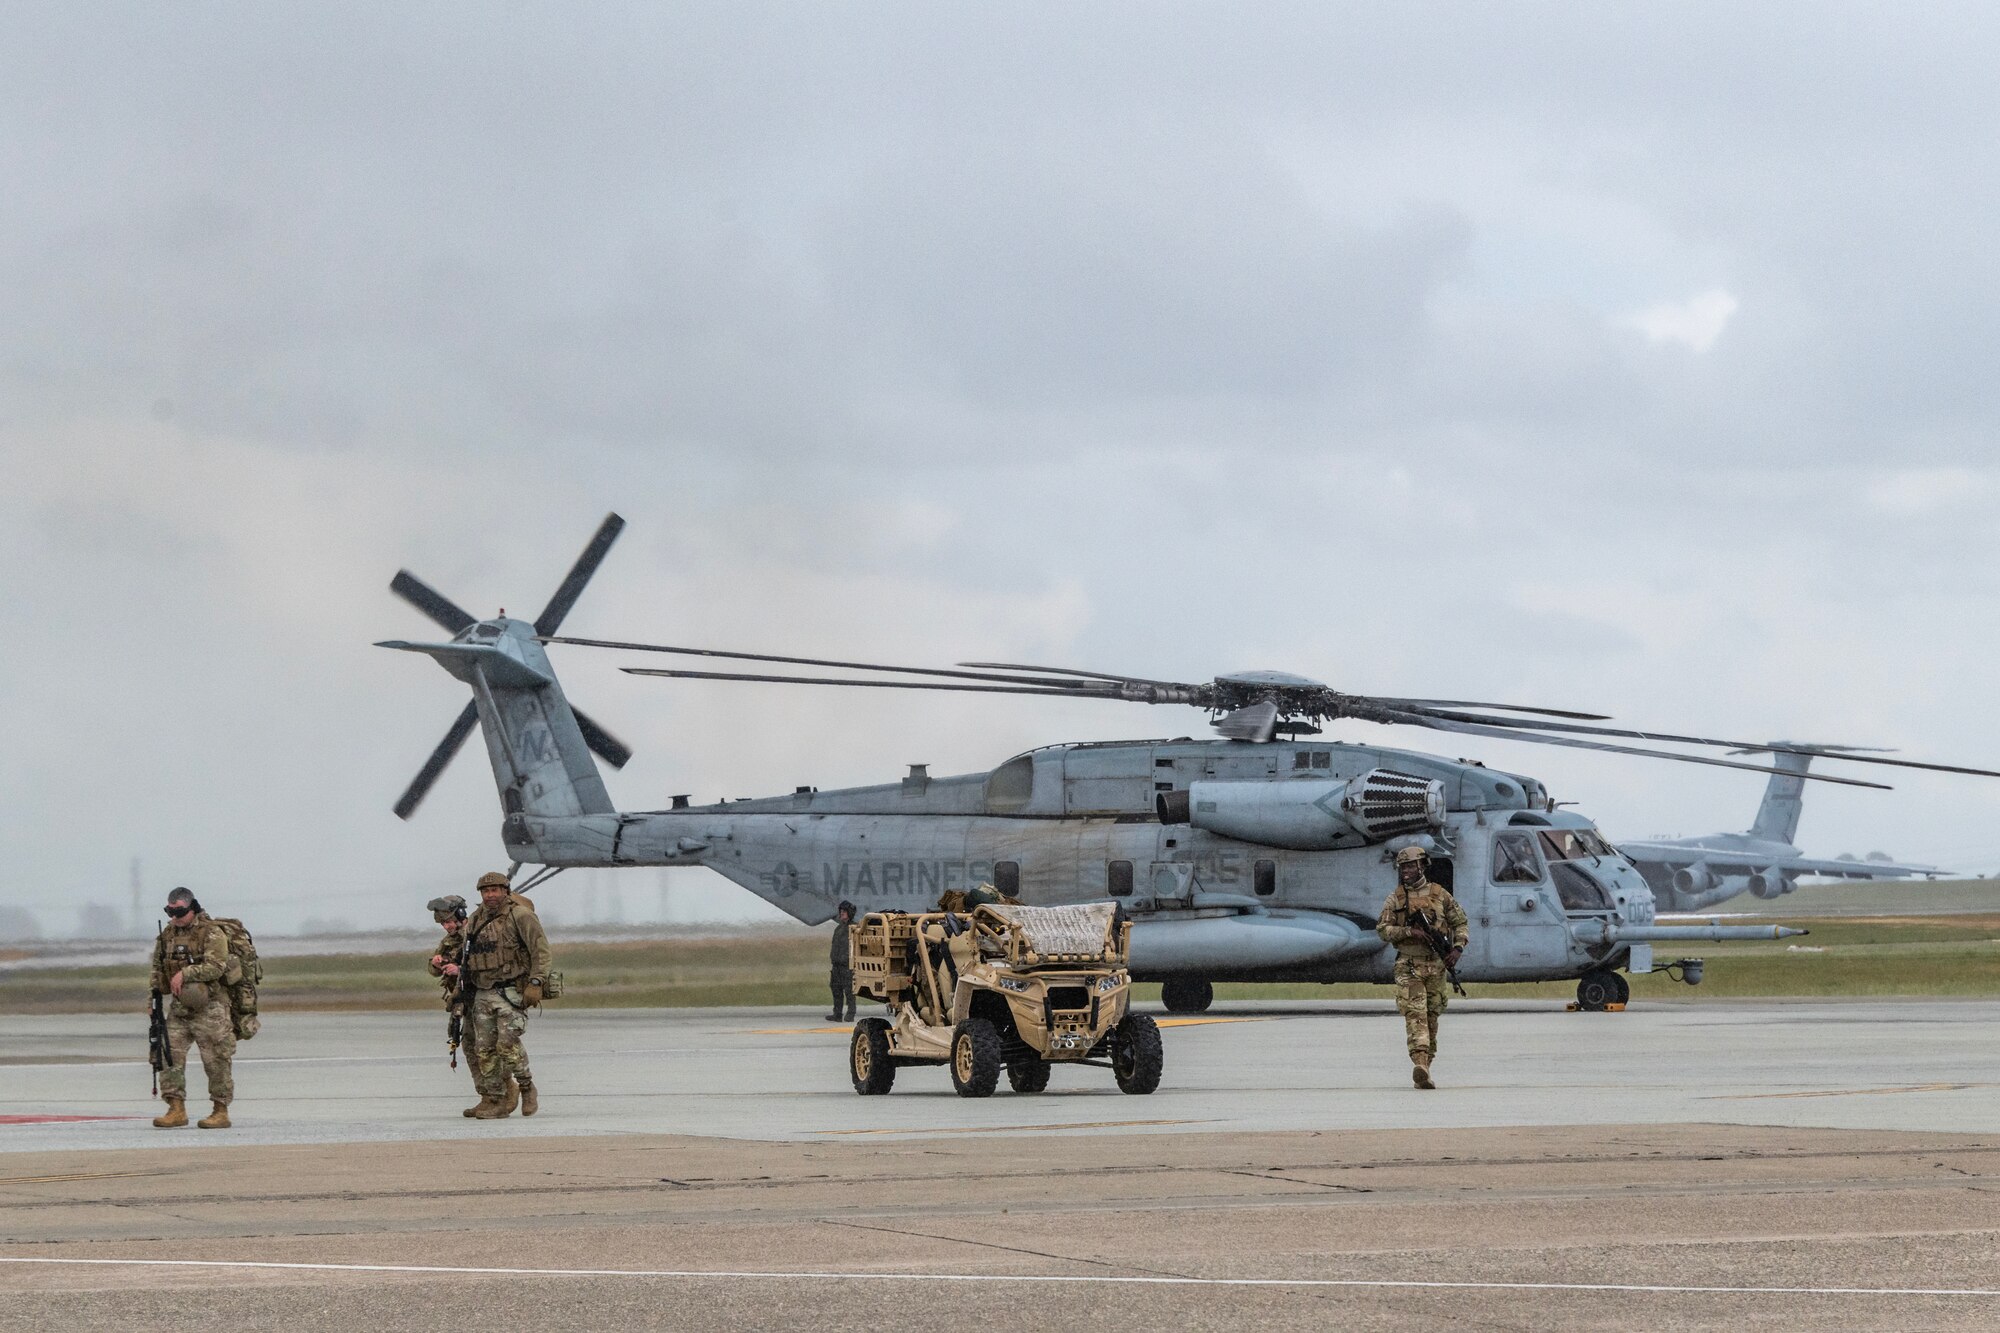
(868, 1058)
(1624, 988)
(1185, 996)
(1136, 1055)
(1030, 1074)
(975, 1058)
(1596, 990)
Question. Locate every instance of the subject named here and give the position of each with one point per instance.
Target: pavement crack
(1011, 1249)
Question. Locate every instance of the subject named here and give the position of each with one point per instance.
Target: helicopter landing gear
(1599, 989)
(1182, 996)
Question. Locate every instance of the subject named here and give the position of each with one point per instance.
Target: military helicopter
(1261, 855)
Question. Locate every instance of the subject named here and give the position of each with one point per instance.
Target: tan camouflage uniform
(447, 948)
(200, 955)
(1420, 974)
(504, 948)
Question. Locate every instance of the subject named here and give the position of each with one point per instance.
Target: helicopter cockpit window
(1574, 844)
(1514, 860)
(1578, 891)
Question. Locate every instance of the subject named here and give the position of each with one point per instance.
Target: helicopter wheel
(1624, 988)
(1598, 989)
(1183, 996)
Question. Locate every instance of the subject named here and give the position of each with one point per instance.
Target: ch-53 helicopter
(1258, 856)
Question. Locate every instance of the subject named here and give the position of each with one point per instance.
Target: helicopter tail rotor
(512, 687)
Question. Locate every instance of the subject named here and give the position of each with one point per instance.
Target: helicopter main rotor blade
(1085, 675)
(431, 602)
(1440, 723)
(1077, 693)
(420, 785)
(605, 745)
(1814, 747)
(1505, 708)
(1767, 747)
(797, 661)
(551, 618)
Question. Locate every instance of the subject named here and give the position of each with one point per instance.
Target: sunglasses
(178, 912)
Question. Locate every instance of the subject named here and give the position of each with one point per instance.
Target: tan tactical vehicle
(1001, 986)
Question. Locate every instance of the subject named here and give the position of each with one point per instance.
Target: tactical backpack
(241, 975)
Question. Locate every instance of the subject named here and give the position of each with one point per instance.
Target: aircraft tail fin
(535, 741)
(1778, 815)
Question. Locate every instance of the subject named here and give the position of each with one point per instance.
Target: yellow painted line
(1003, 1129)
(843, 1030)
(1198, 1022)
(73, 1175)
(1847, 1092)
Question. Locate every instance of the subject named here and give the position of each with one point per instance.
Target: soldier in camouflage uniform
(449, 913)
(1420, 973)
(506, 961)
(189, 958)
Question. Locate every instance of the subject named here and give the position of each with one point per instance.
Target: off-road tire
(1028, 1074)
(1137, 1057)
(868, 1060)
(1596, 990)
(975, 1058)
(1183, 995)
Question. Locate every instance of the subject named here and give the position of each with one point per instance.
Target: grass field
(1914, 956)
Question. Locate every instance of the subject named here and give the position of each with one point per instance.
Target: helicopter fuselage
(1079, 823)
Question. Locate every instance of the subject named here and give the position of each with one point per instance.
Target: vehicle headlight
(1013, 984)
(1109, 983)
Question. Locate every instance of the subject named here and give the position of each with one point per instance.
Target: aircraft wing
(1856, 869)
(1728, 861)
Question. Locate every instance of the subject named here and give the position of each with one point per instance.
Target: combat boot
(489, 1108)
(1420, 1069)
(176, 1116)
(529, 1102)
(513, 1098)
(216, 1119)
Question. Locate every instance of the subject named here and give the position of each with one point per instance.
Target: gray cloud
(1143, 337)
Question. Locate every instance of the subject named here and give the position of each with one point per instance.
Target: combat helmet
(450, 906)
(493, 879)
(1412, 855)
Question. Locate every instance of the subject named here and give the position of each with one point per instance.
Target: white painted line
(1081, 1279)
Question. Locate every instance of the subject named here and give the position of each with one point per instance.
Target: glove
(531, 994)
(1451, 959)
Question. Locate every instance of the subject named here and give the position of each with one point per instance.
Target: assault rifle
(1442, 947)
(159, 1052)
(457, 1003)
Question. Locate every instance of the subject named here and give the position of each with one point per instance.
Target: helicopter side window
(1514, 859)
(1264, 878)
(1119, 874)
(1007, 877)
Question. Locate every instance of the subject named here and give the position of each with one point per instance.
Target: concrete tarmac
(1783, 1164)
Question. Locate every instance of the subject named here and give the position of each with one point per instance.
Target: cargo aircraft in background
(1695, 874)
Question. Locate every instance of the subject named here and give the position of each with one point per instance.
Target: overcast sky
(1634, 360)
